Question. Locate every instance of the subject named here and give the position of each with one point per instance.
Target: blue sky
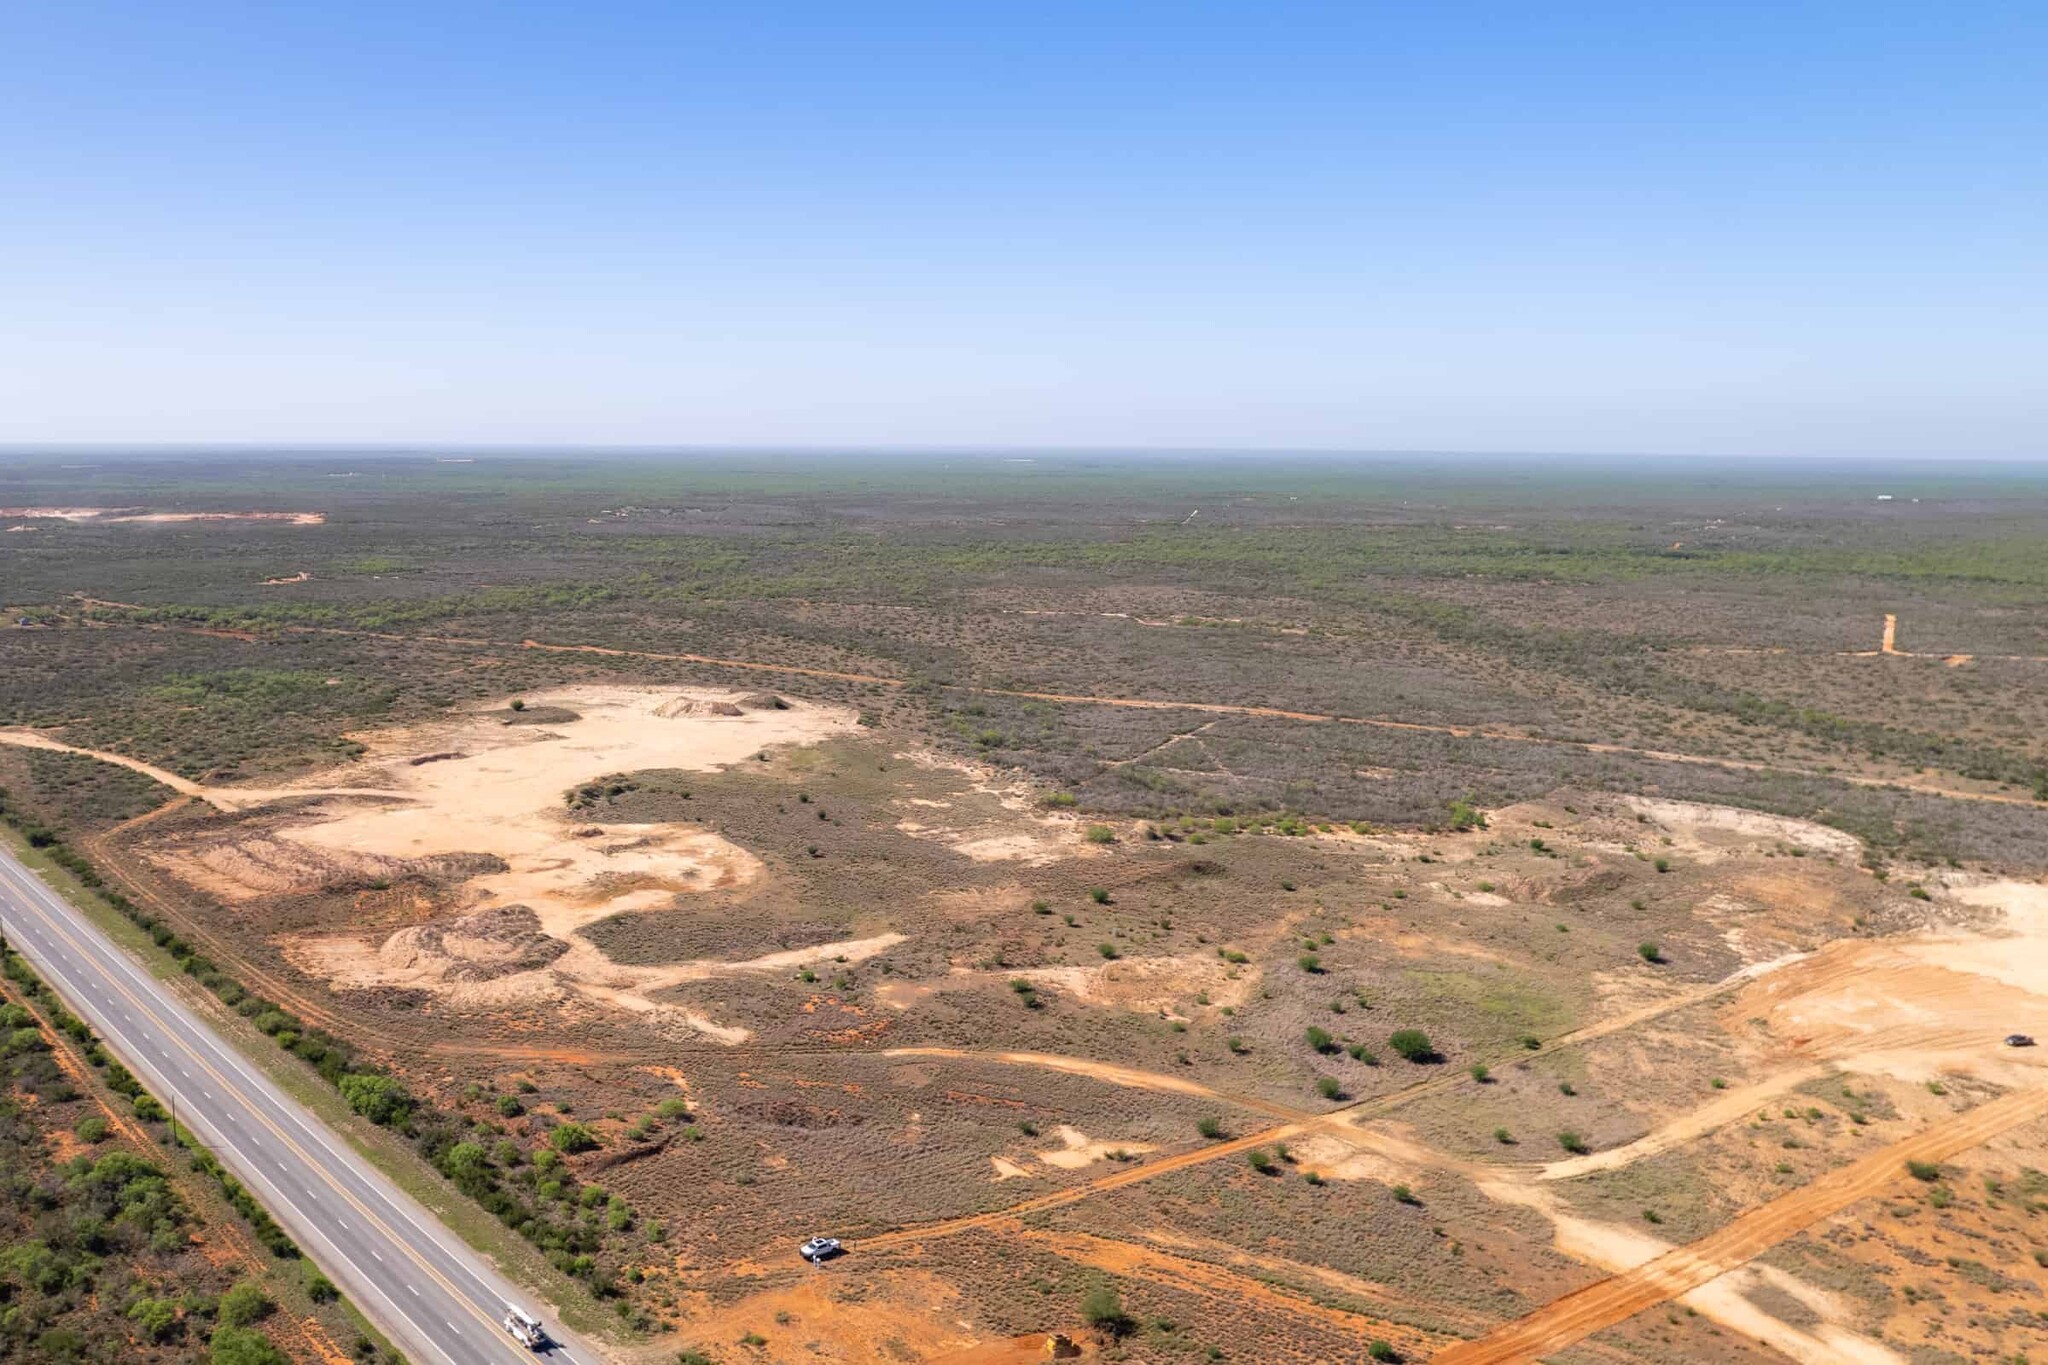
(1750, 229)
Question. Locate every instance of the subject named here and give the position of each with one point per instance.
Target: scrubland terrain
(1389, 914)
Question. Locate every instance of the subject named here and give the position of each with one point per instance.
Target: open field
(1039, 890)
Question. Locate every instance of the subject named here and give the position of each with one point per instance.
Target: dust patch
(1149, 985)
(1077, 1151)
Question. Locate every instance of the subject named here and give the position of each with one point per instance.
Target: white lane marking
(373, 1252)
(410, 1290)
(116, 965)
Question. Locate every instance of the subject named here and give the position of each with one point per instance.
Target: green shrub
(1572, 1142)
(382, 1100)
(319, 1288)
(1103, 1308)
(240, 1346)
(244, 1304)
(1327, 1087)
(571, 1138)
(1413, 1044)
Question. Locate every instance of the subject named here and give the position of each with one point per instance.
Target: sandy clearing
(2017, 954)
(125, 514)
(1077, 1151)
(1150, 984)
(497, 790)
(1711, 832)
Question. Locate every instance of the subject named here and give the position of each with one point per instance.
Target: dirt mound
(1709, 833)
(763, 701)
(484, 946)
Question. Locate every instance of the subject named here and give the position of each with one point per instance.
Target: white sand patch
(1335, 1158)
(123, 514)
(2016, 953)
(1149, 984)
(1709, 833)
(1007, 1169)
(1078, 1151)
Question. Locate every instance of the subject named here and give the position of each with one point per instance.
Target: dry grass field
(1399, 917)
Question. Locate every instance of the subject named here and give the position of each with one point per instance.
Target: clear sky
(1776, 228)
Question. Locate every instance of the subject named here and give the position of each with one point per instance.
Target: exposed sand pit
(1917, 1005)
(1078, 1151)
(2017, 951)
(1708, 833)
(126, 514)
(489, 806)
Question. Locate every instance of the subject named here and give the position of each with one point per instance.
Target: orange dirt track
(1134, 703)
(1580, 1314)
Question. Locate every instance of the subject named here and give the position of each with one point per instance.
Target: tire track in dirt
(1183, 1273)
(1577, 1315)
(1075, 1193)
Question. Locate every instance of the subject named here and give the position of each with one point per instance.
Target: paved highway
(436, 1299)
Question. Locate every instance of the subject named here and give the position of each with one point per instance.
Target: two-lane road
(437, 1299)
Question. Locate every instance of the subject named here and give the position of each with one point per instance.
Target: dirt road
(1580, 1314)
(1152, 704)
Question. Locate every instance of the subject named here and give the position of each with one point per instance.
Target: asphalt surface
(437, 1299)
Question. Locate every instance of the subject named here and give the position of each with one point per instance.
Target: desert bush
(1412, 1044)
